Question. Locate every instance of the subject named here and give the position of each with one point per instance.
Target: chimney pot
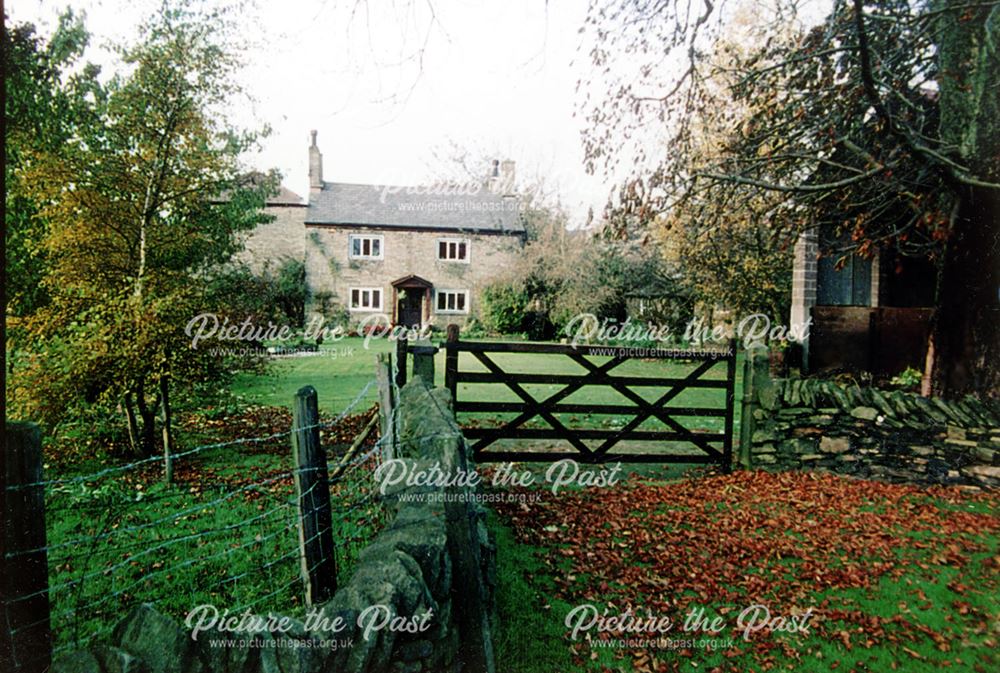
(507, 177)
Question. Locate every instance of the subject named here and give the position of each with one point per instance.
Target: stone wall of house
(330, 273)
(272, 243)
(434, 558)
(866, 432)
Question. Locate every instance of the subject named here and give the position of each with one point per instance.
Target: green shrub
(278, 295)
(504, 308)
(288, 285)
(473, 329)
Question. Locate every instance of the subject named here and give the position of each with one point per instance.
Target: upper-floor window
(366, 247)
(453, 249)
(366, 299)
(452, 301)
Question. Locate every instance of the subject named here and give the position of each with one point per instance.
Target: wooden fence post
(401, 362)
(727, 454)
(423, 361)
(319, 565)
(451, 362)
(746, 412)
(27, 642)
(386, 404)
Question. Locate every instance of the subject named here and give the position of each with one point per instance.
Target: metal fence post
(319, 565)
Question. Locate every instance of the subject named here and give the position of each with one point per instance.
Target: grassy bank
(526, 639)
(224, 533)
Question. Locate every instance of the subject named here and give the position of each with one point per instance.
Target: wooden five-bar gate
(703, 372)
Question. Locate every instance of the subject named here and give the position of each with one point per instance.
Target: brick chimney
(493, 176)
(315, 166)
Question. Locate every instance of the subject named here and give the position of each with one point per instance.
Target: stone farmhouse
(414, 256)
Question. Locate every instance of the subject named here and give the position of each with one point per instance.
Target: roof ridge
(442, 206)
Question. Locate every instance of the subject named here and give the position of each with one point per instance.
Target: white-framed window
(364, 246)
(453, 249)
(366, 299)
(452, 301)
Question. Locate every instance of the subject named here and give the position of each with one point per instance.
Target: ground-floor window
(452, 301)
(366, 299)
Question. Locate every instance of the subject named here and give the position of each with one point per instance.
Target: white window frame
(452, 311)
(362, 237)
(457, 241)
(374, 291)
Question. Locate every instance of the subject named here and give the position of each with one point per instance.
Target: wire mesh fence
(119, 536)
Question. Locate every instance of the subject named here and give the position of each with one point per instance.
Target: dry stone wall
(894, 435)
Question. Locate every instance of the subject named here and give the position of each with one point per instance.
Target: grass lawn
(526, 637)
(897, 577)
(125, 541)
(338, 373)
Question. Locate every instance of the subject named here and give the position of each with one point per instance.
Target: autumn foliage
(791, 541)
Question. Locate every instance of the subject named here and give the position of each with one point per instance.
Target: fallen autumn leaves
(790, 541)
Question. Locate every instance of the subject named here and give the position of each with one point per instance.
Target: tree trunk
(128, 403)
(168, 458)
(967, 326)
(148, 414)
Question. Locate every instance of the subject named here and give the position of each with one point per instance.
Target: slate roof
(340, 203)
(285, 197)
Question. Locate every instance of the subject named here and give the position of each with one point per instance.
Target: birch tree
(137, 228)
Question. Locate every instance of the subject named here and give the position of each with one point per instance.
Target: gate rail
(715, 447)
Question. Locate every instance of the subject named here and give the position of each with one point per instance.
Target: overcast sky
(392, 86)
(389, 90)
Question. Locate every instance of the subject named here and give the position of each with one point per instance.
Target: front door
(410, 307)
